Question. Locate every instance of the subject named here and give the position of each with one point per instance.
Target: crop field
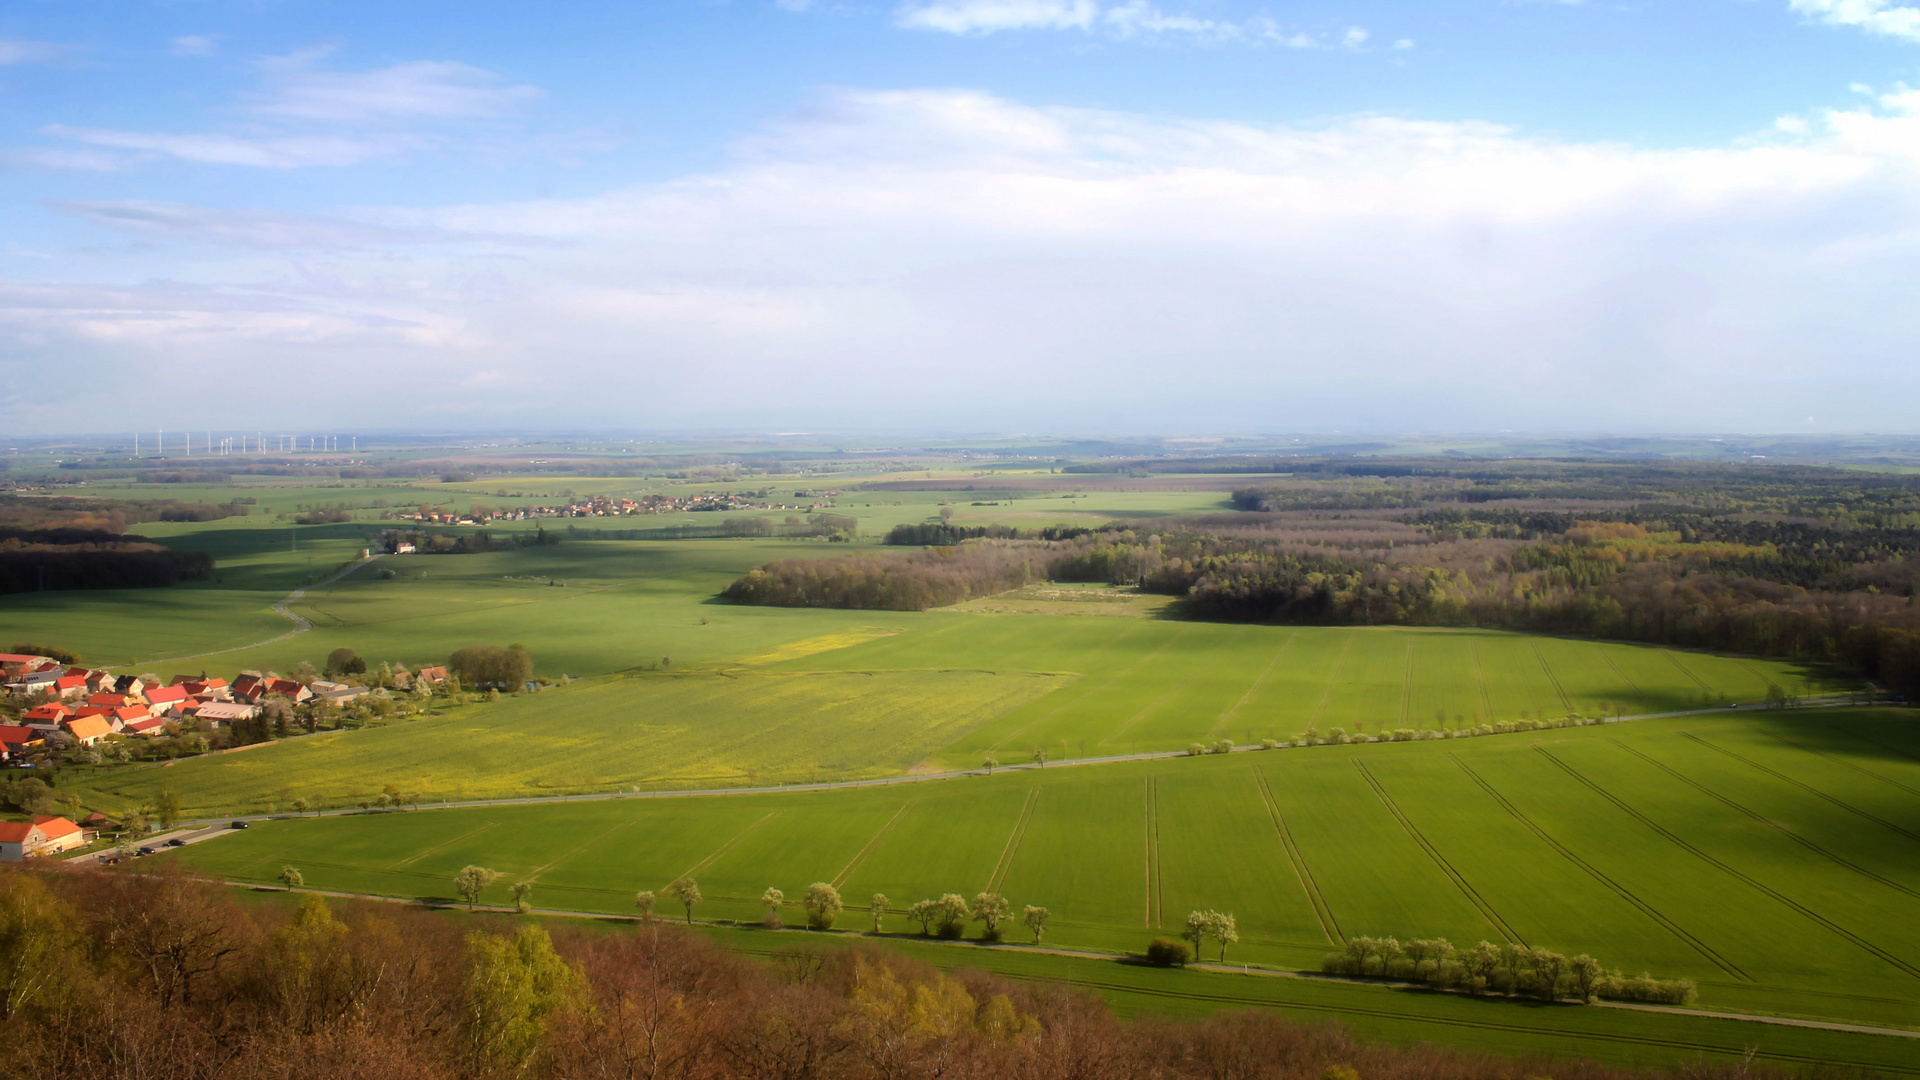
(762, 696)
(1773, 857)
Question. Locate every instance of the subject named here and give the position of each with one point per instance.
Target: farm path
(300, 624)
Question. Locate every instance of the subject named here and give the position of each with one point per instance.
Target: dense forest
(84, 558)
(125, 976)
(1792, 561)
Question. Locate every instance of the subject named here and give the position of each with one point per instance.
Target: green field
(1774, 857)
(836, 695)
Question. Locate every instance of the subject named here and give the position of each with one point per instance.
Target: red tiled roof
(141, 727)
(166, 694)
(93, 710)
(15, 734)
(49, 711)
(53, 828)
(115, 700)
(15, 832)
(132, 713)
(69, 682)
(88, 727)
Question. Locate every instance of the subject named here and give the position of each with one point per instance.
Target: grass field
(1773, 857)
(773, 696)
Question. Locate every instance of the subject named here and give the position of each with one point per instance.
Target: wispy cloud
(269, 229)
(423, 90)
(1874, 16)
(267, 152)
(19, 51)
(195, 45)
(306, 115)
(1114, 18)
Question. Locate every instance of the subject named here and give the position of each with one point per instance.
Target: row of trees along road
(946, 917)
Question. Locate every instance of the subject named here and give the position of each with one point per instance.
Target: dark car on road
(146, 851)
(238, 824)
(176, 842)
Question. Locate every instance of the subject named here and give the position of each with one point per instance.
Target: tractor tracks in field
(1013, 841)
(1712, 956)
(1808, 788)
(861, 855)
(536, 872)
(1459, 880)
(1551, 677)
(1221, 726)
(1155, 903)
(722, 850)
(437, 848)
(1333, 680)
(1645, 702)
(1863, 770)
(1836, 859)
(1323, 911)
(1752, 882)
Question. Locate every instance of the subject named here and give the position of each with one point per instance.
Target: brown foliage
(182, 983)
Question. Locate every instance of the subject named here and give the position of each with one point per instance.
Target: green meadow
(1772, 857)
(835, 695)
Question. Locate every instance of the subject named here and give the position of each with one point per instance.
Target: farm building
(41, 836)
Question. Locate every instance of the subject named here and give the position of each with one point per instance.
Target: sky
(1047, 216)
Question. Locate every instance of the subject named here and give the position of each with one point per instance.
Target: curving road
(300, 625)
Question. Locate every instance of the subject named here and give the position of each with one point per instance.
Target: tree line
(118, 976)
(1512, 970)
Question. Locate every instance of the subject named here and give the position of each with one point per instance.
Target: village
(621, 507)
(74, 715)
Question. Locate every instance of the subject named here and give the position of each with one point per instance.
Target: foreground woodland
(108, 976)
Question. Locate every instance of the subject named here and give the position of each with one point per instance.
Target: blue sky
(1063, 215)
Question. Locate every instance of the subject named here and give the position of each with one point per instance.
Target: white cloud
(1077, 268)
(1874, 16)
(427, 90)
(267, 152)
(270, 230)
(195, 45)
(18, 51)
(1117, 18)
(61, 158)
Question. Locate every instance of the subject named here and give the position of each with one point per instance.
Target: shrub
(1165, 952)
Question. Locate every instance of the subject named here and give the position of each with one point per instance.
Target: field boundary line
(442, 846)
(1762, 819)
(1645, 702)
(1687, 671)
(1480, 679)
(1842, 761)
(1012, 848)
(1600, 876)
(1322, 911)
(1221, 724)
(1809, 788)
(861, 855)
(534, 874)
(1738, 875)
(1459, 880)
(1551, 677)
(730, 845)
(1333, 680)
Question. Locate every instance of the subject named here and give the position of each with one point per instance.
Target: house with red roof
(50, 713)
(214, 689)
(152, 725)
(110, 699)
(432, 674)
(165, 699)
(88, 730)
(292, 690)
(14, 738)
(68, 687)
(41, 836)
(249, 688)
(120, 718)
